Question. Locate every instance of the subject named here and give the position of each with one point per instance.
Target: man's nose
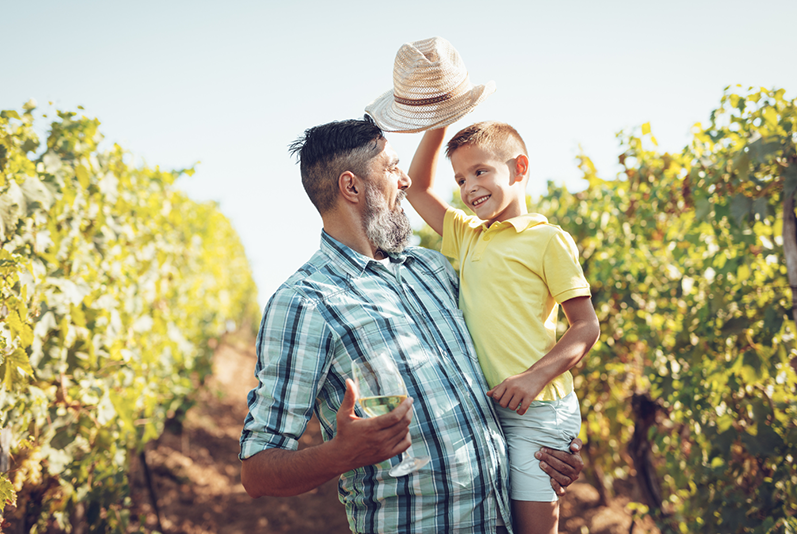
(405, 181)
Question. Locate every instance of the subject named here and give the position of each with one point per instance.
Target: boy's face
(488, 186)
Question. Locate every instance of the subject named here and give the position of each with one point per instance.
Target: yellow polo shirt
(513, 276)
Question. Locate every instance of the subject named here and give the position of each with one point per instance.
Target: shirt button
(487, 237)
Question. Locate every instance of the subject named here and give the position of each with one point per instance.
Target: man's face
(386, 225)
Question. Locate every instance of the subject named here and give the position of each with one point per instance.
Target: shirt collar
(349, 260)
(521, 222)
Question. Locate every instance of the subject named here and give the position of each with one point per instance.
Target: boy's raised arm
(422, 170)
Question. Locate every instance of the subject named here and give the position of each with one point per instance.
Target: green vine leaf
(15, 370)
(7, 493)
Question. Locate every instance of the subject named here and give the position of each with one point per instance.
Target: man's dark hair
(327, 151)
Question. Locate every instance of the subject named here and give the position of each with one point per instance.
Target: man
(362, 293)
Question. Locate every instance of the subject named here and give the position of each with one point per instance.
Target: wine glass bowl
(380, 389)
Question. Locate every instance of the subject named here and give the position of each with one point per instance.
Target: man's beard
(388, 230)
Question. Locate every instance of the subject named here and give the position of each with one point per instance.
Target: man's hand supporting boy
(516, 392)
(563, 467)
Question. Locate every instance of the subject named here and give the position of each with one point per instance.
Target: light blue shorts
(551, 424)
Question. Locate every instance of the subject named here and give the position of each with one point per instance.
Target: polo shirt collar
(524, 222)
(349, 260)
(521, 222)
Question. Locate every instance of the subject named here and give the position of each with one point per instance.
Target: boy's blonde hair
(499, 137)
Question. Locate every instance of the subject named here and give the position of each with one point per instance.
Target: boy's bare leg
(530, 517)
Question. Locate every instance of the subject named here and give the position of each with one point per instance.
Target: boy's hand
(517, 392)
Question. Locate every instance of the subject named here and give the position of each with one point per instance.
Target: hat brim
(391, 116)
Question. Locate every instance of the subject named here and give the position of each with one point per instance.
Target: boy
(515, 269)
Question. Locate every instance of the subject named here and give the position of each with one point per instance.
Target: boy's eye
(480, 172)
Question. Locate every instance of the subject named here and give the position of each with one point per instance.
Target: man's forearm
(357, 442)
(281, 473)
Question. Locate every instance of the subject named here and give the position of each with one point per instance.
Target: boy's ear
(350, 186)
(521, 167)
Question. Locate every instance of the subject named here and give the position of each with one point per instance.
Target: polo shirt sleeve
(294, 348)
(563, 274)
(455, 226)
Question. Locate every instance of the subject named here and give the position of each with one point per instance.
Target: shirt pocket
(395, 337)
(451, 333)
(434, 289)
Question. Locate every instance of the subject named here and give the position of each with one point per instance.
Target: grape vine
(113, 285)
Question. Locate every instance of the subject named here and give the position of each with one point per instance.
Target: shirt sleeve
(455, 227)
(563, 274)
(294, 345)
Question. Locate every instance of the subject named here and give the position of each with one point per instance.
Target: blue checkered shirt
(342, 305)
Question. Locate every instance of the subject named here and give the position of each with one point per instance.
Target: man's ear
(521, 167)
(351, 187)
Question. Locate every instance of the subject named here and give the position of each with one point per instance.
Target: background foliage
(692, 385)
(114, 285)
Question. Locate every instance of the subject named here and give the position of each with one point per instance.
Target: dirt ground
(196, 475)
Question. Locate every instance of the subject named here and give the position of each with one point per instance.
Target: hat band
(421, 101)
(463, 87)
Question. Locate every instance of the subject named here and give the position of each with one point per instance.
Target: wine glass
(380, 389)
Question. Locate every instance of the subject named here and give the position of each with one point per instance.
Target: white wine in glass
(376, 406)
(380, 389)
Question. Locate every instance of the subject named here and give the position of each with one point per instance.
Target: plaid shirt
(341, 305)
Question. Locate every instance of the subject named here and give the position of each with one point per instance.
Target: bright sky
(232, 83)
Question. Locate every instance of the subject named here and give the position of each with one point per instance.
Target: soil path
(196, 474)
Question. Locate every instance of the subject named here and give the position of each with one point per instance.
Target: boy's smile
(480, 200)
(488, 185)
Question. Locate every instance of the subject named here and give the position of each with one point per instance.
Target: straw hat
(431, 89)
